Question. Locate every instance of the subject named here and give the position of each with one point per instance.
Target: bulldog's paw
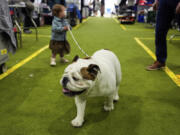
(116, 98)
(77, 122)
(108, 108)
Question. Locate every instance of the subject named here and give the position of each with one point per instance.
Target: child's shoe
(53, 62)
(63, 60)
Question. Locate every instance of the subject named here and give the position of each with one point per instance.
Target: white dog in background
(99, 75)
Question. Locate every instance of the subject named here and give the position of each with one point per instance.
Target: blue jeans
(165, 14)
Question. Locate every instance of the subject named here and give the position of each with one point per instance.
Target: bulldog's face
(79, 77)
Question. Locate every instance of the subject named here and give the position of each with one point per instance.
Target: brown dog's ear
(75, 58)
(93, 69)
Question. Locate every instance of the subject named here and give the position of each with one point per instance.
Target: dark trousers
(27, 23)
(165, 14)
(27, 19)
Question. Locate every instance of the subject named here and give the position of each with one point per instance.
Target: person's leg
(178, 20)
(61, 53)
(62, 59)
(53, 59)
(95, 13)
(102, 10)
(27, 21)
(53, 55)
(165, 15)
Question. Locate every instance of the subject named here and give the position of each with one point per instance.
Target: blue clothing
(166, 13)
(58, 32)
(72, 7)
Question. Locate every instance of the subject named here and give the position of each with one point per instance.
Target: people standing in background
(28, 15)
(91, 7)
(37, 5)
(97, 7)
(166, 12)
(102, 7)
(85, 9)
(27, 11)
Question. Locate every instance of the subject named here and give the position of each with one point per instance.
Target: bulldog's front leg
(109, 105)
(80, 105)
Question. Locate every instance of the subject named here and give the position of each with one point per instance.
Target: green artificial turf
(31, 101)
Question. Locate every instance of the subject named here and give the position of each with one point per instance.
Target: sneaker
(63, 60)
(53, 62)
(156, 66)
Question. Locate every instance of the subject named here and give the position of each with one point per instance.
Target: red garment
(142, 2)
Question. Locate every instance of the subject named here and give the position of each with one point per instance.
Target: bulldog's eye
(75, 79)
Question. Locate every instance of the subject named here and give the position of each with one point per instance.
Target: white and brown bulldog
(99, 75)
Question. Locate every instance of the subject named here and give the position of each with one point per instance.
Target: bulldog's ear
(75, 58)
(90, 72)
(93, 69)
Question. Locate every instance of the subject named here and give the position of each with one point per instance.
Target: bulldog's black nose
(65, 81)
